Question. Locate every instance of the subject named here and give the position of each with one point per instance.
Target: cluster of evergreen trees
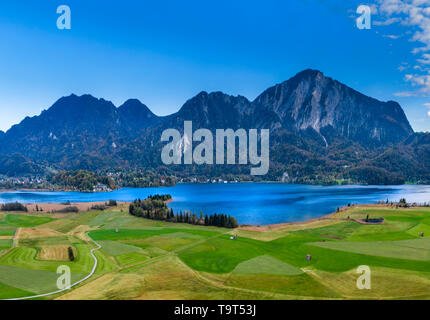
(68, 210)
(163, 197)
(15, 206)
(155, 208)
(221, 220)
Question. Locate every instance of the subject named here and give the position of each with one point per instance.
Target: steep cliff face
(311, 100)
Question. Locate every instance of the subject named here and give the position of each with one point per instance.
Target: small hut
(308, 257)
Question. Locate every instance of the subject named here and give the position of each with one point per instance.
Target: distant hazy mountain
(320, 129)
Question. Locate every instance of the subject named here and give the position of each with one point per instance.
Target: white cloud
(421, 82)
(420, 49)
(405, 94)
(386, 22)
(374, 9)
(415, 15)
(425, 59)
(391, 36)
(418, 80)
(428, 106)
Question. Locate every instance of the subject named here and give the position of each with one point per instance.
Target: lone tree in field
(112, 203)
(71, 254)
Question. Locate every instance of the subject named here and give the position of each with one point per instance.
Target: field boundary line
(275, 295)
(72, 285)
(172, 253)
(319, 279)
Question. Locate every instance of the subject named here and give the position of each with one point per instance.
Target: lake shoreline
(55, 208)
(330, 216)
(52, 208)
(59, 189)
(254, 204)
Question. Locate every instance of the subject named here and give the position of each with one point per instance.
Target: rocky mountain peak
(214, 110)
(135, 108)
(311, 100)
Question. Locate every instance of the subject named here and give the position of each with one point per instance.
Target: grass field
(146, 259)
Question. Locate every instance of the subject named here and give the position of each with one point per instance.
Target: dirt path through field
(15, 238)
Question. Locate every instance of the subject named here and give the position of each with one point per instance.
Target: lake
(250, 203)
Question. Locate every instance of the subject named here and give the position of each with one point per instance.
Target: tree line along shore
(154, 207)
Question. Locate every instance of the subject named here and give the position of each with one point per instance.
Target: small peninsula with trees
(155, 208)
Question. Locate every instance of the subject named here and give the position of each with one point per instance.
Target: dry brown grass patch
(55, 253)
(31, 233)
(53, 207)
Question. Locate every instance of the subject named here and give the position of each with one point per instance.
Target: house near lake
(101, 188)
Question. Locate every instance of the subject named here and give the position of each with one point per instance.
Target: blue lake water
(250, 203)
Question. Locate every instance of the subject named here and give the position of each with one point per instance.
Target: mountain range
(321, 131)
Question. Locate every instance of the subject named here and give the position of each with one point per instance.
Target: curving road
(72, 285)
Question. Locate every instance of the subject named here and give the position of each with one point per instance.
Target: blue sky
(165, 52)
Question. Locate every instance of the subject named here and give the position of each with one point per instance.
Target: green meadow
(147, 259)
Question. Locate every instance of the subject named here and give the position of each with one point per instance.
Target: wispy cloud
(386, 22)
(421, 82)
(415, 15)
(428, 108)
(391, 36)
(425, 59)
(402, 68)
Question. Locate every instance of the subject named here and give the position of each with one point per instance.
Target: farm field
(147, 259)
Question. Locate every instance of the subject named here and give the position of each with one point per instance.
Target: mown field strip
(72, 285)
